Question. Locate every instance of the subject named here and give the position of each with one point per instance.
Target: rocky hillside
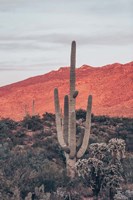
(110, 85)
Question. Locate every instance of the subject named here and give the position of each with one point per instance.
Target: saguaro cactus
(33, 107)
(66, 131)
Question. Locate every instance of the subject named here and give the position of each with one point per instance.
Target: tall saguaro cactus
(66, 131)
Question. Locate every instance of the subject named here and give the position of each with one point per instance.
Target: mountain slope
(110, 85)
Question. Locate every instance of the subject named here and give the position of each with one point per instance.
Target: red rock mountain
(110, 85)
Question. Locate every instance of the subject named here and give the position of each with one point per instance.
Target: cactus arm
(66, 118)
(72, 144)
(80, 140)
(58, 121)
(72, 120)
(75, 94)
(87, 129)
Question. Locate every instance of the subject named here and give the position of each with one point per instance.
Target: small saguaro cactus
(25, 110)
(33, 107)
(66, 131)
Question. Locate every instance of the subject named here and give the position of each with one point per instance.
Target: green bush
(11, 124)
(128, 169)
(81, 114)
(6, 126)
(27, 168)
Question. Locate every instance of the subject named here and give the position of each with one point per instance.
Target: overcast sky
(35, 35)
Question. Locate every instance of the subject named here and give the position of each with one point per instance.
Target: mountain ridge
(111, 87)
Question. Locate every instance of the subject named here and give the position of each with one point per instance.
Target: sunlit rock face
(110, 85)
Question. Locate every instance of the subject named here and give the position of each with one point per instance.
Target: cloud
(23, 45)
(96, 7)
(36, 34)
(28, 67)
(109, 7)
(96, 39)
(53, 40)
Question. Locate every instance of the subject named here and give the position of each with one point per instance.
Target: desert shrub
(41, 135)
(20, 134)
(128, 124)
(48, 117)
(39, 143)
(80, 114)
(5, 148)
(93, 139)
(120, 196)
(51, 148)
(39, 193)
(14, 138)
(4, 130)
(54, 149)
(115, 120)
(128, 169)
(11, 124)
(121, 132)
(32, 122)
(65, 194)
(101, 119)
(48, 133)
(27, 169)
(130, 127)
(47, 123)
(48, 174)
(17, 141)
(6, 126)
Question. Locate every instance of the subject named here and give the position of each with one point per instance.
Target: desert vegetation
(33, 164)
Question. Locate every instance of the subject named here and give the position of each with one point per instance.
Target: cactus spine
(66, 132)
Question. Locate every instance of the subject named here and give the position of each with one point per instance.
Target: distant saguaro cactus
(66, 131)
(33, 107)
(25, 110)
